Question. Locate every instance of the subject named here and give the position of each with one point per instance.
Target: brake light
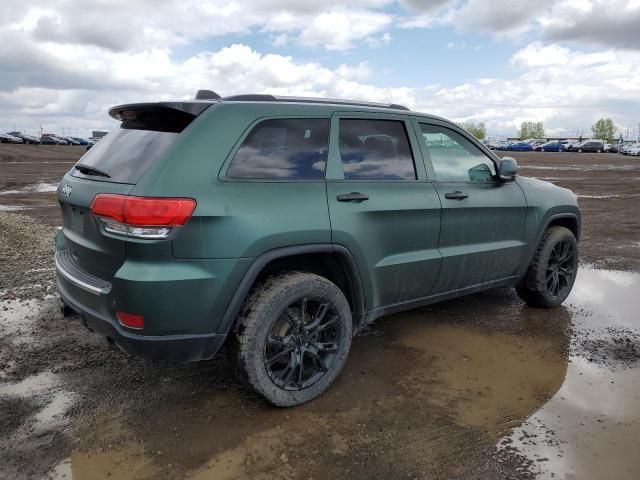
(141, 217)
(130, 320)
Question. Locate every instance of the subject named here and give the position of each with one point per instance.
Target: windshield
(125, 154)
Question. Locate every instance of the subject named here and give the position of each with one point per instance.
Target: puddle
(603, 298)
(591, 426)
(53, 413)
(36, 188)
(485, 379)
(555, 179)
(479, 387)
(12, 208)
(121, 464)
(604, 197)
(589, 429)
(30, 386)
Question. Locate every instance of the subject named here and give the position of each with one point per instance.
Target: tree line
(604, 129)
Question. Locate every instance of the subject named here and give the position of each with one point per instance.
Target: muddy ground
(480, 387)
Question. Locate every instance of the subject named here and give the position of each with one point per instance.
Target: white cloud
(124, 25)
(611, 23)
(566, 89)
(64, 68)
(339, 29)
(608, 23)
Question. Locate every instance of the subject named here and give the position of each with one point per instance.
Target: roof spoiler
(134, 110)
(160, 117)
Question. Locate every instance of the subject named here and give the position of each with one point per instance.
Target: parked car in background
(588, 146)
(81, 141)
(615, 147)
(634, 150)
(554, 146)
(626, 149)
(70, 140)
(26, 138)
(520, 147)
(51, 139)
(505, 145)
(92, 141)
(8, 138)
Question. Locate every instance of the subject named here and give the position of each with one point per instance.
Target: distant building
(98, 134)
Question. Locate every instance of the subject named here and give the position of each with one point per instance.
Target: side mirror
(508, 169)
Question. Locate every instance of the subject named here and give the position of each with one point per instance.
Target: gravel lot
(480, 387)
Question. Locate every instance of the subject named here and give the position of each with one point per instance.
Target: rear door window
(283, 148)
(375, 150)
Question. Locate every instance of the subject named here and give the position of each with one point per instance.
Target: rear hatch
(114, 165)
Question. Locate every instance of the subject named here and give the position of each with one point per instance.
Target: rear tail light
(141, 217)
(130, 320)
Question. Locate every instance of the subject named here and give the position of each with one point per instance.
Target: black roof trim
(250, 97)
(256, 97)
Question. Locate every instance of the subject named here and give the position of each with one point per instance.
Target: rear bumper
(182, 302)
(180, 348)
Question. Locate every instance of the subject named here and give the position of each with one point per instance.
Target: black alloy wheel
(302, 344)
(560, 268)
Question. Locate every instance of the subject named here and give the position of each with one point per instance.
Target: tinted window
(454, 157)
(126, 154)
(375, 150)
(293, 148)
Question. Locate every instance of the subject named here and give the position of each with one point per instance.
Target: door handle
(457, 195)
(352, 197)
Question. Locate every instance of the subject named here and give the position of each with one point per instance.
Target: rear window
(125, 154)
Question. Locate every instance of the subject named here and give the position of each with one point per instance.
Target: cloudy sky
(565, 63)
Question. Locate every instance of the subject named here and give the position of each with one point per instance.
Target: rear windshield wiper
(89, 170)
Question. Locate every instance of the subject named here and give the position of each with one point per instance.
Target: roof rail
(256, 97)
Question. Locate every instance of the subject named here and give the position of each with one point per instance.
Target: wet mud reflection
(479, 387)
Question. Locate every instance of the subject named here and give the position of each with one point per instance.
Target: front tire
(579, 150)
(293, 337)
(552, 272)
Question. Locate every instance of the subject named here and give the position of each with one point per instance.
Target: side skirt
(376, 313)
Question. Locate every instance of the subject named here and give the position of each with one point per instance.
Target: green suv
(281, 226)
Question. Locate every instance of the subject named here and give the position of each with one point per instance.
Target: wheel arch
(320, 259)
(568, 220)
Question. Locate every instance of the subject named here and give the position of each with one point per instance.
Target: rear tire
(552, 272)
(293, 337)
(599, 151)
(579, 150)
